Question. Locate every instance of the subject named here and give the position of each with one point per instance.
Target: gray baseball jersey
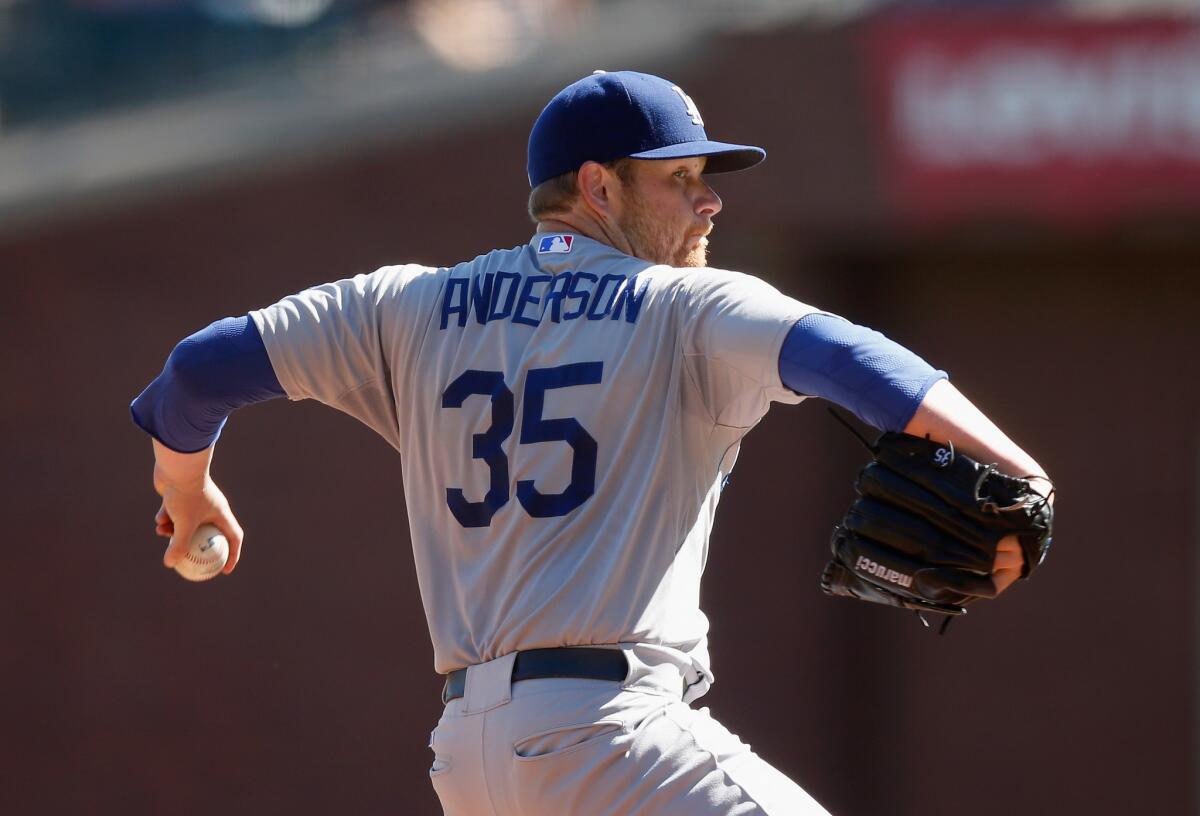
(566, 416)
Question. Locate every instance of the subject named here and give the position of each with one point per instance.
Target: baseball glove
(922, 534)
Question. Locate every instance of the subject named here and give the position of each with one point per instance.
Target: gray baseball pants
(570, 747)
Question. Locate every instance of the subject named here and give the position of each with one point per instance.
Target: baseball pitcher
(566, 412)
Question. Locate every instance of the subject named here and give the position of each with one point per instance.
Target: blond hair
(557, 195)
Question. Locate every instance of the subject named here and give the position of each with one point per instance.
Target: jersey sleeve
(875, 378)
(328, 343)
(734, 328)
(208, 375)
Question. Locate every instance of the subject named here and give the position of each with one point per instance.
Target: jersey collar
(555, 252)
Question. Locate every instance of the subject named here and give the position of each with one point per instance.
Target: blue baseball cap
(611, 115)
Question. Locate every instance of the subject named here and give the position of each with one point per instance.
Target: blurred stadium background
(1010, 188)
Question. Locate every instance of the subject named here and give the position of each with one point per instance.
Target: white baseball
(207, 555)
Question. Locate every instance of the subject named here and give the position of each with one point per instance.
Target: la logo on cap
(692, 110)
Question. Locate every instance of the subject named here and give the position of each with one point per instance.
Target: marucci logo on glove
(864, 564)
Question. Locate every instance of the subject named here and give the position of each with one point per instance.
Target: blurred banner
(1038, 115)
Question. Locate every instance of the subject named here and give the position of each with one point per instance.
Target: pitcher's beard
(697, 256)
(650, 240)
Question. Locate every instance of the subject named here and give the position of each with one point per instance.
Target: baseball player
(566, 412)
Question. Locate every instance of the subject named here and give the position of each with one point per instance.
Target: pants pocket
(565, 739)
(443, 783)
(441, 759)
(443, 786)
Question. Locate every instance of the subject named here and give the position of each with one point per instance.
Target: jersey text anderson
(530, 299)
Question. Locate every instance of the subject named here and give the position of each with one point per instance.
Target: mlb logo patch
(555, 244)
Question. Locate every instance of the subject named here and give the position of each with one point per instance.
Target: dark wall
(304, 682)
(1080, 698)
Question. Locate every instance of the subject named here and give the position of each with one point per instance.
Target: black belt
(536, 664)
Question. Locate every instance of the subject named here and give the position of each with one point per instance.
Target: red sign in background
(1004, 114)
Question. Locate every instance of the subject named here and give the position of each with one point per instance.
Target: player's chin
(694, 254)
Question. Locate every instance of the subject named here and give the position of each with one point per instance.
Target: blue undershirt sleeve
(208, 375)
(876, 379)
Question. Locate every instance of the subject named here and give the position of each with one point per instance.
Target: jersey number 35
(488, 445)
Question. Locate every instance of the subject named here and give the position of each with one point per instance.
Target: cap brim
(722, 157)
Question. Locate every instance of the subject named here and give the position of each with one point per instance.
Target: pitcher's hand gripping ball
(923, 532)
(206, 556)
